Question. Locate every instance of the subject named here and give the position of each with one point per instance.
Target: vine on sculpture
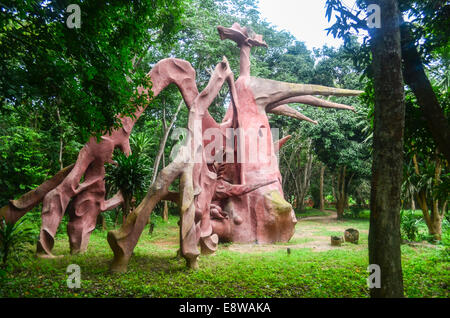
(219, 200)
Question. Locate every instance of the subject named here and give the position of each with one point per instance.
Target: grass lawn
(312, 212)
(312, 269)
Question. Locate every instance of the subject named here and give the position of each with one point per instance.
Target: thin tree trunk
(341, 192)
(166, 204)
(433, 218)
(61, 141)
(294, 177)
(436, 217)
(387, 166)
(322, 172)
(307, 172)
(413, 203)
(163, 141)
(101, 221)
(304, 177)
(347, 184)
(332, 187)
(126, 206)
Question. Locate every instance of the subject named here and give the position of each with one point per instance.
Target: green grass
(155, 271)
(311, 212)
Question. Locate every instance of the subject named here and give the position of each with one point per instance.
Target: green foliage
(23, 164)
(140, 143)
(418, 139)
(295, 64)
(129, 175)
(409, 225)
(427, 18)
(13, 238)
(88, 72)
(355, 211)
(30, 145)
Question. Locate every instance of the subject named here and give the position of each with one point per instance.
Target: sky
(305, 19)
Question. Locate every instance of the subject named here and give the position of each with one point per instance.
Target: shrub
(409, 225)
(354, 212)
(13, 238)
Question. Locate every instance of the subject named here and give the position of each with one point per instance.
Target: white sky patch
(305, 19)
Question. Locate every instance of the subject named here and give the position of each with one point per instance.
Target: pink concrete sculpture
(239, 201)
(236, 200)
(262, 215)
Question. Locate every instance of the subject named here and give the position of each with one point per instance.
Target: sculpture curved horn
(310, 100)
(268, 92)
(279, 143)
(285, 110)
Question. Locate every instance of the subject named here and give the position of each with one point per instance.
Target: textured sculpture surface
(238, 200)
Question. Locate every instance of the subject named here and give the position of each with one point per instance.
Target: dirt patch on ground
(321, 244)
(321, 219)
(307, 230)
(166, 244)
(311, 232)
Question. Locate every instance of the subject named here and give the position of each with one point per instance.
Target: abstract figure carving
(237, 200)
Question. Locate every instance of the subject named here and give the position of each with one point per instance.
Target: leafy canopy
(89, 72)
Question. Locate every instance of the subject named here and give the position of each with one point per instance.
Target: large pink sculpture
(238, 200)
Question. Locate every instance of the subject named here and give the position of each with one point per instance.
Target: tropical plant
(409, 225)
(129, 174)
(13, 237)
(426, 175)
(141, 142)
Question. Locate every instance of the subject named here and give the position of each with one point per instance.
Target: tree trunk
(166, 204)
(126, 206)
(435, 228)
(387, 166)
(340, 209)
(332, 188)
(417, 80)
(162, 144)
(322, 203)
(101, 221)
(61, 141)
(413, 203)
(433, 218)
(166, 211)
(304, 176)
(307, 172)
(341, 195)
(436, 217)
